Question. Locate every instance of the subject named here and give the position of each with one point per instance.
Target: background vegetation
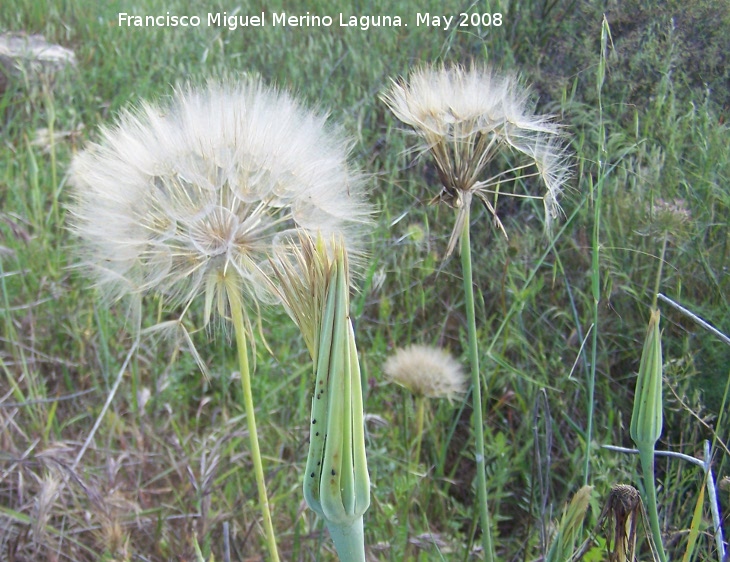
(169, 465)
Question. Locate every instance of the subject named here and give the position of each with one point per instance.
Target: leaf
(694, 529)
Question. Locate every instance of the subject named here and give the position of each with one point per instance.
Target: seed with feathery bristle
(464, 118)
(196, 196)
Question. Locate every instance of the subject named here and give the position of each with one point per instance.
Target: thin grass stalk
(476, 382)
(694, 527)
(239, 327)
(658, 280)
(595, 254)
(51, 109)
(706, 325)
(109, 399)
(714, 508)
(12, 335)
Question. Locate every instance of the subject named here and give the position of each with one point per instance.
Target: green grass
(162, 474)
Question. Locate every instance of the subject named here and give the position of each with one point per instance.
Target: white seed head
(457, 103)
(426, 371)
(464, 118)
(194, 196)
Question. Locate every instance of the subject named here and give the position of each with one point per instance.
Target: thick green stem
(241, 344)
(420, 411)
(349, 540)
(476, 392)
(646, 455)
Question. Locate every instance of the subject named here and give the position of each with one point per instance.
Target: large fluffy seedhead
(464, 118)
(455, 103)
(426, 371)
(194, 196)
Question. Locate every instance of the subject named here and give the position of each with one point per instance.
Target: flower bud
(646, 419)
(336, 482)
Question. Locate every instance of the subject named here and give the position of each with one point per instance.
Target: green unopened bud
(336, 482)
(646, 419)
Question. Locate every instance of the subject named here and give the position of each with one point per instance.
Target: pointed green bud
(646, 419)
(336, 482)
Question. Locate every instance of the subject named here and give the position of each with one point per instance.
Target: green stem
(476, 383)
(240, 330)
(597, 191)
(646, 455)
(349, 540)
(658, 280)
(596, 292)
(420, 411)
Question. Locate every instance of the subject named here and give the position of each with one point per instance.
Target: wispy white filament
(182, 197)
(464, 118)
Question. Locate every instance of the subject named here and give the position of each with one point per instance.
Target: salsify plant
(468, 120)
(194, 198)
(426, 372)
(647, 418)
(314, 286)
